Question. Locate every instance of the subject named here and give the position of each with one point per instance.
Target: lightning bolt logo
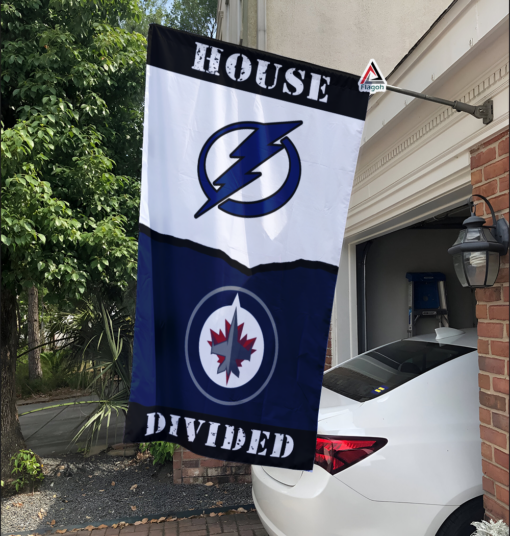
(257, 148)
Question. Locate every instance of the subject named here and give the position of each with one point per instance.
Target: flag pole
(484, 111)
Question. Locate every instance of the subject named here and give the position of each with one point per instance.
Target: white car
(398, 447)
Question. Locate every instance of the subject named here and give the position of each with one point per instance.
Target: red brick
(491, 294)
(487, 451)
(483, 157)
(485, 416)
(481, 312)
(211, 463)
(486, 189)
(484, 381)
(500, 385)
(188, 455)
(495, 473)
(490, 364)
(501, 458)
(495, 170)
(493, 140)
(483, 346)
(500, 421)
(193, 531)
(506, 293)
(498, 312)
(493, 436)
(190, 463)
(503, 184)
(492, 401)
(193, 471)
(488, 485)
(503, 147)
(495, 509)
(502, 494)
(490, 330)
(199, 522)
(502, 276)
(499, 348)
(476, 177)
(504, 259)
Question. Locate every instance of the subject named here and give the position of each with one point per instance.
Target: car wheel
(459, 523)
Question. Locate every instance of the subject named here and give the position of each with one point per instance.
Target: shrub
(484, 528)
(26, 468)
(161, 451)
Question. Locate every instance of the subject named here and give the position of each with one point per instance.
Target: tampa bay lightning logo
(231, 346)
(257, 148)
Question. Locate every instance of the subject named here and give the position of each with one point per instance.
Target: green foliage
(56, 362)
(196, 16)
(72, 87)
(161, 451)
(26, 468)
(49, 383)
(102, 348)
(151, 11)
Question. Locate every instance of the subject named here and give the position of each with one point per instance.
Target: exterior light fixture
(478, 248)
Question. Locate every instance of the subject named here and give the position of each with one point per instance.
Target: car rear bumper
(320, 504)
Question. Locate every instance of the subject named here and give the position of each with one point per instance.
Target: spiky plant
(489, 528)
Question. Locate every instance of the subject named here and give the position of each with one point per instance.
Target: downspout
(261, 25)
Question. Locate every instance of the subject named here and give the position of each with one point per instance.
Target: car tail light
(334, 453)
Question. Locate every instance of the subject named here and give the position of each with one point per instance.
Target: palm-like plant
(99, 342)
(110, 369)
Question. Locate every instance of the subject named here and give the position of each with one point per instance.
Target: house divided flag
(248, 163)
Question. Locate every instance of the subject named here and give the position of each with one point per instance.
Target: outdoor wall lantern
(478, 248)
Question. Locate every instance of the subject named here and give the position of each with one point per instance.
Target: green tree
(151, 12)
(196, 16)
(72, 107)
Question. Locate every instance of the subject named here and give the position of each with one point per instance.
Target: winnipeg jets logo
(231, 345)
(264, 142)
(230, 348)
(231, 358)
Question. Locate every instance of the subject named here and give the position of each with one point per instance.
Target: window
(369, 375)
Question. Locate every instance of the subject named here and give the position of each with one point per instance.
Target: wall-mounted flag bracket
(483, 111)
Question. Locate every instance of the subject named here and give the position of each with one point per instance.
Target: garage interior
(382, 286)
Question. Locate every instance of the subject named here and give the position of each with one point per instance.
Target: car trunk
(331, 404)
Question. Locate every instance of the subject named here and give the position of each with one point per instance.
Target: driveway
(51, 431)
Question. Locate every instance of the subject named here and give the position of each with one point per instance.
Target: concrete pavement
(50, 432)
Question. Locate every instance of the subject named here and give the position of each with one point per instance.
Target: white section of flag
(182, 113)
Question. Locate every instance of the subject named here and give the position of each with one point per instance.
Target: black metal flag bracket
(483, 111)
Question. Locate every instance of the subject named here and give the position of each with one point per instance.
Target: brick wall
(329, 352)
(489, 176)
(191, 468)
